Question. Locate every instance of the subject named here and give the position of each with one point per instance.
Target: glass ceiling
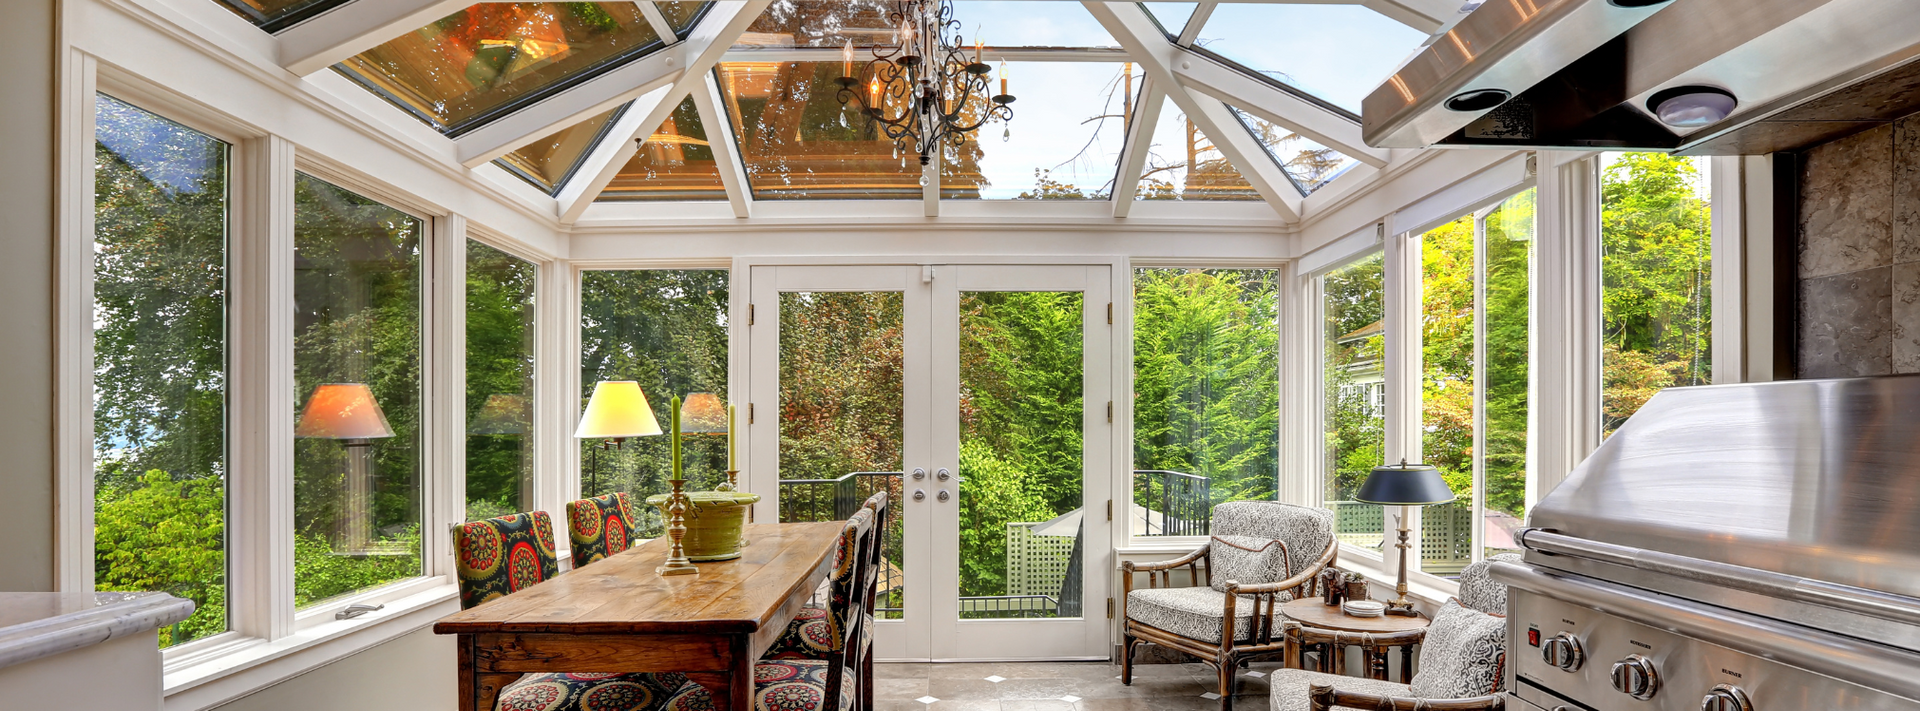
(1172, 16)
(1337, 53)
(1064, 142)
(675, 163)
(277, 15)
(1308, 164)
(805, 23)
(491, 58)
(1183, 164)
(548, 162)
(798, 142)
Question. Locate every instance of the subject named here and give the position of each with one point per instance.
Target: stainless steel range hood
(1580, 74)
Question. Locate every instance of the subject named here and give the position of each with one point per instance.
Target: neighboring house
(1367, 374)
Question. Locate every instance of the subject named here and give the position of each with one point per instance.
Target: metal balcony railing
(1175, 503)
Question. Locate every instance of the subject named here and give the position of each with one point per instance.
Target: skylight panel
(675, 163)
(548, 162)
(1183, 164)
(277, 15)
(1171, 16)
(865, 23)
(1027, 23)
(798, 142)
(681, 16)
(1337, 53)
(1064, 141)
(798, 23)
(485, 61)
(1307, 163)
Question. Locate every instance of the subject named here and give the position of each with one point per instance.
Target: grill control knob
(1635, 677)
(1563, 652)
(1726, 698)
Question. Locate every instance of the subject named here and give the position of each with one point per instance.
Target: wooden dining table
(617, 615)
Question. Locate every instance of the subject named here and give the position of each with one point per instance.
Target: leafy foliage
(165, 534)
(1655, 268)
(499, 413)
(1354, 304)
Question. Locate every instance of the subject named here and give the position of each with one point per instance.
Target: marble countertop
(35, 625)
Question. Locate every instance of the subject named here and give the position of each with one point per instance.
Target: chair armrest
(1131, 566)
(1376, 640)
(1325, 698)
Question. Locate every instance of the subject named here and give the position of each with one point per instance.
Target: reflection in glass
(499, 413)
(356, 362)
(548, 162)
(1022, 454)
(159, 362)
(1354, 394)
(682, 16)
(667, 330)
(841, 409)
(1307, 163)
(1656, 269)
(1507, 254)
(674, 163)
(798, 141)
(1064, 142)
(1183, 164)
(802, 23)
(798, 23)
(277, 15)
(477, 63)
(1337, 53)
(1206, 383)
(1171, 16)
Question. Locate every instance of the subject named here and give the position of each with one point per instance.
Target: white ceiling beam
(696, 56)
(1133, 157)
(659, 21)
(355, 27)
(1299, 114)
(1129, 24)
(1191, 31)
(726, 152)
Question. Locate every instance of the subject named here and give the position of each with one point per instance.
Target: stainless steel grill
(1732, 548)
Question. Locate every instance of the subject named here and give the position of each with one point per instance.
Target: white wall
(415, 672)
(26, 287)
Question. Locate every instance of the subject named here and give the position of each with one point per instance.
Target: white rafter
(694, 57)
(1195, 22)
(726, 152)
(578, 103)
(659, 21)
(355, 27)
(1129, 25)
(1305, 116)
(1133, 157)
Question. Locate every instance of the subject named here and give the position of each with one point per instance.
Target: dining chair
(600, 526)
(811, 635)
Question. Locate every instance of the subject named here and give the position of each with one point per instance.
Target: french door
(978, 396)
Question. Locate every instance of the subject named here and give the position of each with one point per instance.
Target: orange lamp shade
(342, 411)
(617, 409)
(703, 413)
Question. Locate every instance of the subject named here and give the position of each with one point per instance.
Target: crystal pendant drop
(1006, 134)
(923, 179)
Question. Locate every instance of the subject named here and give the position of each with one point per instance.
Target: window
(1065, 144)
(500, 346)
(1656, 268)
(797, 141)
(548, 162)
(1307, 164)
(1184, 164)
(160, 362)
(1337, 53)
(667, 330)
(277, 15)
(1353, 377)
(356, 361)
(1206, 395)
(1475, 349)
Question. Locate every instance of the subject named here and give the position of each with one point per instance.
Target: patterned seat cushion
(1247, 560)
(500, 555)
(1194, 613)
(810, 636)
(589, 692)
(1287, 688)
(781, 685)
(1464, 654)
(1478, 589)
(600, 526)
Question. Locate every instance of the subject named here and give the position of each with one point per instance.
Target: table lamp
(617, 410)
(1404, 485)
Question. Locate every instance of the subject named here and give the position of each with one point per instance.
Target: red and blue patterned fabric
(600, 526)
(590, 692)
(500, 555)
(815, 632)
(780, 685)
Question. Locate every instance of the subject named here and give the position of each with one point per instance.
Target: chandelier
(922, 89)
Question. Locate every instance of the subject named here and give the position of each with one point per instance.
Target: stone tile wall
(1859, 257)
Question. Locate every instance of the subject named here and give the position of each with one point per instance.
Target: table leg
(479, 691)
(742, 682)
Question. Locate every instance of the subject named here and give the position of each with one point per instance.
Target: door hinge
(1109, 313)
(1109, 509)
(1109, 608)
(749, 314)
(749, 413)
(1109, 411)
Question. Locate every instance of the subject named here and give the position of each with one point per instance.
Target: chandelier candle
(923, 90)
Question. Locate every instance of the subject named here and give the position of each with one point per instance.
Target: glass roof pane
(798, 142)
(1309, 164)
(1064, 142)
(676, 163)
(1183, 165)
(1337, 53)
(802, 23)
(489, 58)
(547, 162)
(1026, 23)
(277, 15)
(796, 23)
(682, 15)
(1172, 16)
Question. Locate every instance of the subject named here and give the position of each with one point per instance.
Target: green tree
(1655, 267)
(165, 534)
(1354, 305)
(500, 318)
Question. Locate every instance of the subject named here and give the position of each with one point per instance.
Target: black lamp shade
(1404, 485)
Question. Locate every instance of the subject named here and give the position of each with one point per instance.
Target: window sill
(227, 671)
(1428, 592)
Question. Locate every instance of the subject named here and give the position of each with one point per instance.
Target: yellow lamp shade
(342, 411)
(703, 414)
(617, 409)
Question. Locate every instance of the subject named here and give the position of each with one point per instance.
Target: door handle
(920, 494)
(944, 474)
(944, 495)
(919, 473)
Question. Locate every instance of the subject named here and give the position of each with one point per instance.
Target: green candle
(675, 420)
(731, 449)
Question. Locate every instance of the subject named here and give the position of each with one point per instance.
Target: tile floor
(1059, 686)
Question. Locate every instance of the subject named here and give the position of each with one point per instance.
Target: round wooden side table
(1332, 631)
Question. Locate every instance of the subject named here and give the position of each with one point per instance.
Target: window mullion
(1403, 375)
(1479, 383)
(443, 366)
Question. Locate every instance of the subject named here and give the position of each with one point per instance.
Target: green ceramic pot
(715, 524)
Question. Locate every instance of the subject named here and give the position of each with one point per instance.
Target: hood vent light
(1692, 106)
(1478, 100)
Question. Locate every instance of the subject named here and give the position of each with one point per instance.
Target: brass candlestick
(677, 563)
(1400, 605)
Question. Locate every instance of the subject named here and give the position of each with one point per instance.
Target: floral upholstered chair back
(1305, 531)
(600, 526)
(501, 555)
(825, 631)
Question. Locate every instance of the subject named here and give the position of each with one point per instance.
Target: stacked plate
(1364, 608)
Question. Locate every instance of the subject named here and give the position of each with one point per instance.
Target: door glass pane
(1447, 391)
(1655, 268)
(1206, 384)
(665, 329)
(1355, 395)
(1021, 454)
(356, 364)
(160, 362)
(500, 337)
(841, 410)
